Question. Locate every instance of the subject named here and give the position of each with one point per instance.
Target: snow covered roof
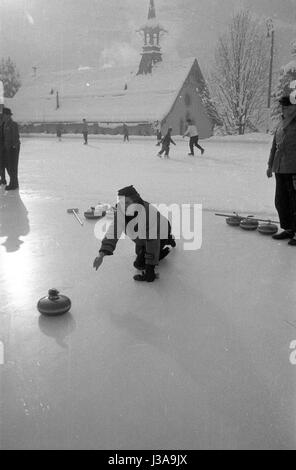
(99, 95)
(290, 67)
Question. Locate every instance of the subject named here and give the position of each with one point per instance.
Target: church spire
(151, 31)
(152, 12)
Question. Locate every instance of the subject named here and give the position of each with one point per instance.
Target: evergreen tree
(208, 103)
(287, 76)
(10, 77)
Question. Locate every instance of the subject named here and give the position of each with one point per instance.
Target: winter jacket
(1, 133)
(2, 159)
(167, 140)
(283, 152)
(11, 136)
(191, 131)
(150, 225)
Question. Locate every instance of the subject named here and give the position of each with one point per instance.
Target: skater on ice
(282, 163)
(192, 132)
(11, 147)
(145, 226)
(125, 133)
(59, 132)
(2, 160)
(158, 133)
(85, 132)
(166, 144)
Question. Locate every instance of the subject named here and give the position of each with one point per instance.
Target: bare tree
(240, 76)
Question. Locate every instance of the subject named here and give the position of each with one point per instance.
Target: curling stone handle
(53, 294)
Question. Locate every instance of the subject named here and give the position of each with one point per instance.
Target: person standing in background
(11, 141)
(282, 163)
(125, 133)
(2, 156)
(192, 132)
(158, 133)
(2, 161)
(85, 132)
(59, 132)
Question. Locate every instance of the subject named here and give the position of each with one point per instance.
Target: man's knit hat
(285, 101)
(7, 112)
(129, 191)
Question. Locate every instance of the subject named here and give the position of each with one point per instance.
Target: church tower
(152, 32)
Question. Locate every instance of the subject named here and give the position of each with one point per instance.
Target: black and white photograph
(147, 227)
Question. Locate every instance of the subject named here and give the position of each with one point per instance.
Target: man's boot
(147, 276)
(285, 235)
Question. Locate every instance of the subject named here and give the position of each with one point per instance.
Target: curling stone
(92, 216)
(249, 224)
(234, 221)
(54, 305)
(268, 229)
(97, 212)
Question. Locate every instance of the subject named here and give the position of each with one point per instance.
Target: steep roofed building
(166, 91)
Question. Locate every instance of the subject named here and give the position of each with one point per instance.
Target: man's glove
(98, 261)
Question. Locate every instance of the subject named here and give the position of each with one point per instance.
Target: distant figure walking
(166, 142)
(158, 133)
(11, 140)
(85, 131)
(192, 132)
(59, 132)
(125, 133)
(2, 157)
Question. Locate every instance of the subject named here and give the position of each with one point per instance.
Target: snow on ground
(232, 176)
(197, 360)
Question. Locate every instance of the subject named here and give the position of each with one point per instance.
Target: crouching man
(147, 228)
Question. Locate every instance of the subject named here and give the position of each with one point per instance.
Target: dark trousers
(85, 136)
(2, 165)
(194, 143)
(285, 200)
(165, 149)
(11, 162)
(126, 138)
(156, 249)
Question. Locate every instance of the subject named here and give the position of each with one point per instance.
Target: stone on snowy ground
(249, 224)
(268, 229)
(54, 304)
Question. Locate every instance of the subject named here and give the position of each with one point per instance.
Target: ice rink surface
(197, 360)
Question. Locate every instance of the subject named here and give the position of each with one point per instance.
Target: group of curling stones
(56, 304)
(251, 223)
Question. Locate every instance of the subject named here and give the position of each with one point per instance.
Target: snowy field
(197, 360)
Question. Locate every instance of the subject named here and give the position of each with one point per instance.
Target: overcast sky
(61, 34)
